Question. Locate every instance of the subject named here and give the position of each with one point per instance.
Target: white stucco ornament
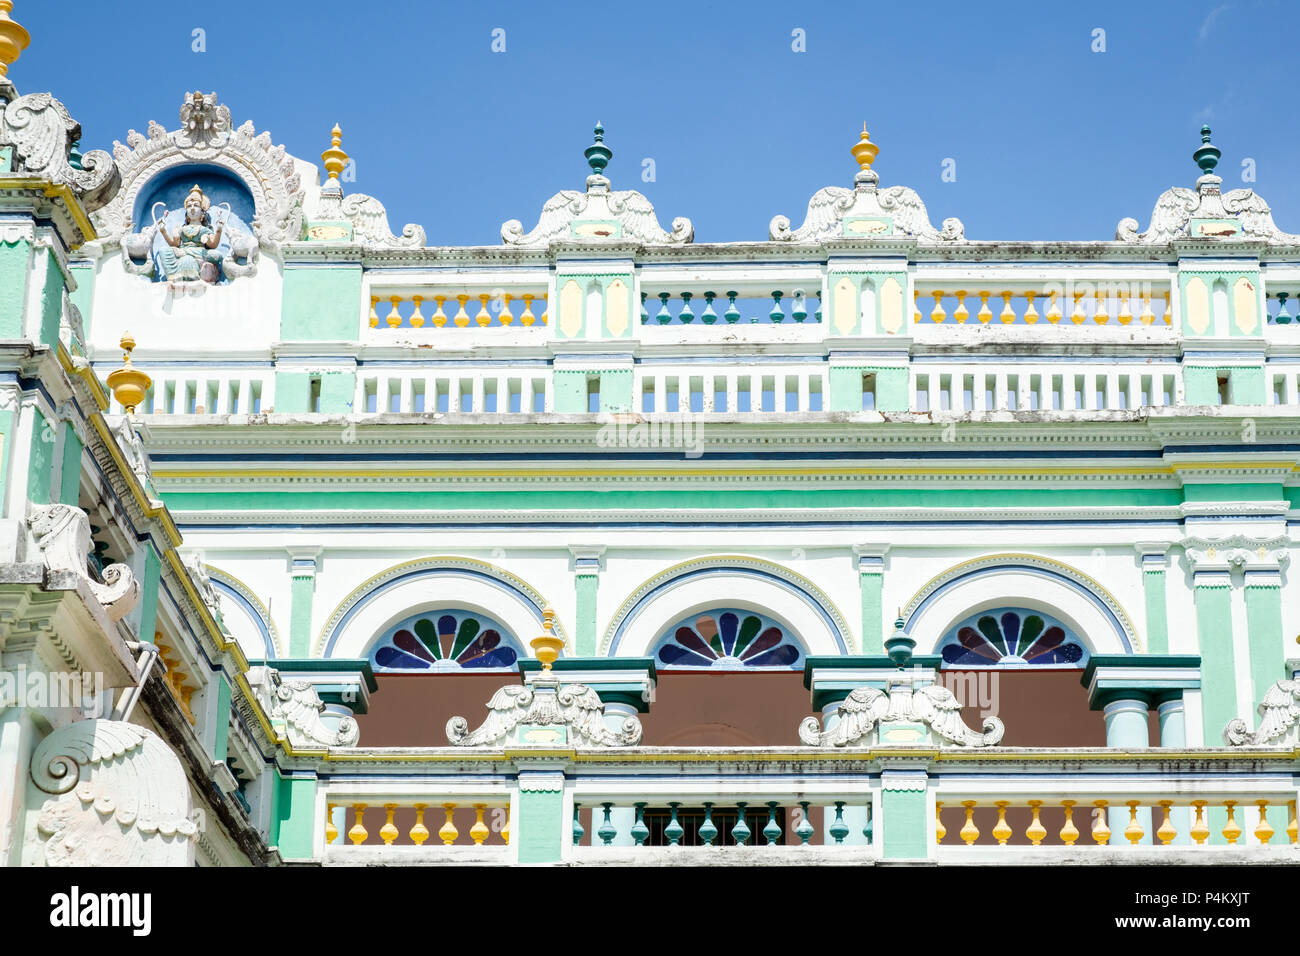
(547, 712)
(41, 134)
(120, 797)
(62, 541)
(1206, 212)
(1279, 719)
(867, 712)
(599, 214)
(866, 211)
(295, 705)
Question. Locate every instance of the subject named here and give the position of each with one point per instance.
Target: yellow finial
(128, 383)
(864, 151)
(334, 157)
(547, 646)
(13, 38)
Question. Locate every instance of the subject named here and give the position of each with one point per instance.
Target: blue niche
(219, 185)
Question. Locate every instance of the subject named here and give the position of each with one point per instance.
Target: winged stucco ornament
(1279, 719)
(867, 708)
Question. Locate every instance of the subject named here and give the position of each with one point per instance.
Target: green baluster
(732, 315)
(776, 315)
(869, 828)
(578, 831)
(1283, 317)
(818, 314)
(771, 830)
(674, 829)
(645, 316)
(664, 316)
(686, 316)
(839, 829)
(640, 832)
(607, 830)
(740, 832)
(804, 830)
(708, 316)
(708, 830)
(800, 308)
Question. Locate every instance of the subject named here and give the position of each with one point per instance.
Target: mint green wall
(1264, 625)
(873, 624)
(337, 392)
(84, 295)
(15, 260)
(293, 391)
(1228, 491)
(845, 383)
(569, 390)
(1246, 386)
(300, 596)
(221, 742)
(585, 637)
(296, 815)
(320, 304)
(51, 300)
(616, 390)
(1200, 385)
(541, 825)
(70, 470)
(1153, 582)
(1218, 680)
(149, 582)
(905, 822)
(40, 467)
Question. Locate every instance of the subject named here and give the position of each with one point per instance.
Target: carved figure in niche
(191, 253)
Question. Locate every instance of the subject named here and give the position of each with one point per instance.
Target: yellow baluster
(1001, 829)
(1169, 309)
(388, 831)
(1166, 833)
(1099, 314)
(1077, 316)
(1146, 317)
(1054, 310)
(461, 318)
(1008, 314)
(1263, 831)
(374, 316)
(484, 317)
(331, 831)
(1200, 830)
(939, 831)
(505, 830)
(961, 313)
(1069, 832)
(969, 832)
(394, 319)
(1100, 829)
(545, 297)
(985, 314)
(440, 317)
(527, 318)
(419, 832)
(1133, 832)
(448, 831)
(479, 831)
(916, 308)
(1036, 830)
(1292, 830)
(937, 315)
(1031, 316)
(505, 318)
(1125, 308)
(358, 832)
(1231, 829)
(417, 317)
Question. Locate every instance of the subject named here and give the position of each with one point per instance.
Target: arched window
(1011, 636)
(445, 640)
(729, 639)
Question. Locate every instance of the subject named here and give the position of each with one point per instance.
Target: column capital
(1154, 555)
(1236, 551)
(871, 557)
(587, 559)
(304, 561)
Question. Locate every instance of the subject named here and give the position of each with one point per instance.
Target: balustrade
(1283, 305)
(745, 305)
(1013, 387)
(478, 308)
(734, 389)
(407, 822)
(458, 390)
(209, 391)
(1113, 303)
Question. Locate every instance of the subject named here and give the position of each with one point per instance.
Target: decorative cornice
(1236, 551)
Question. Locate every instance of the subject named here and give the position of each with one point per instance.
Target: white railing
(979, 388)
(483, 391)
(750, 388)
(205, 391)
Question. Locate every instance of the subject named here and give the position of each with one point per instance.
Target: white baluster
(405, 402)
(804, 404)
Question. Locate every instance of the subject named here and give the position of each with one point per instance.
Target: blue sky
(1050, 139)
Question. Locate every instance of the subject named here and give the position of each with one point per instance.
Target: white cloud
(1208, 23)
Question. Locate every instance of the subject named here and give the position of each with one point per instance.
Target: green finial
(74, 155)
(898, 645)
(1207, 157)
(598, 154)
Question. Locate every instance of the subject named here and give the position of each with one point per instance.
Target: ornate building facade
(865, 540)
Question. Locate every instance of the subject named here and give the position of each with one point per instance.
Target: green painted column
(150, 574)
(15, 261)
(1200, 385)
(1154, 562)
(1127, 728)
(40, 461)
(70, 468)
(295, 815)
(338, 390)
(301, 592)
(586, 562)
(293, 392)
(541, 828)
(1212, 591)
(320, 303)
(903, 823)
(221, 741)
(846, 388)
(1263, 592)
(569, 390)
(871, 581)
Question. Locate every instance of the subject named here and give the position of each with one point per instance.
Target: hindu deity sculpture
(191, 254)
